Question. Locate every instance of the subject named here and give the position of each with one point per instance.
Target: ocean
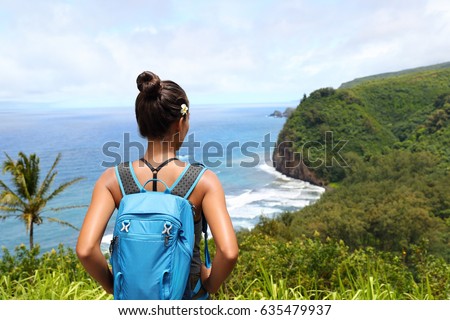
(235, 141)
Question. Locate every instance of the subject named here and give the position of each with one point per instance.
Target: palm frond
(11, 208)
(9, 199)
(46, 184)
(2, 217)
(7, 192)
(67, 207)
(22, 186)
(25, 173)
(30, 170)
(49, 178)
(9, 165)
(63, 187)
(65, 223)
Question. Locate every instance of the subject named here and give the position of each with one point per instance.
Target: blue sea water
(235, 141)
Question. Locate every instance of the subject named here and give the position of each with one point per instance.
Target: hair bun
(149, 84)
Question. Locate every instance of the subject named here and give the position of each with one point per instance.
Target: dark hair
(158, 104)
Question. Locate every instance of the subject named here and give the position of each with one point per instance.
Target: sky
(88, 53)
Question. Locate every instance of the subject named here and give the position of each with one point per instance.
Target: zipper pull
(112, 244)
(125, 226)
(192, 207)
(167, 228)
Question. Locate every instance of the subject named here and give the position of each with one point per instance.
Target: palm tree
(26, 199)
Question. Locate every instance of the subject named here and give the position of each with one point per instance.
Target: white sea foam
(107, 238)
(271, 170)
(183, 157)
(282, 194)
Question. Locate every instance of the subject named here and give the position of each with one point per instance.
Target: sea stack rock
(290, 164)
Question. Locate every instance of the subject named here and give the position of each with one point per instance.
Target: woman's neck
(159, 150)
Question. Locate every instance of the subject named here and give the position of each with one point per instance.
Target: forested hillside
(381, 146)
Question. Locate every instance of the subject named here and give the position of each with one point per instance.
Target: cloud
(219, 51)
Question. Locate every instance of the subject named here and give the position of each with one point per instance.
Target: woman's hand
(204, 275)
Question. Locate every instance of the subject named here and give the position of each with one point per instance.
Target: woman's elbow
(83, 251)
(231, 255)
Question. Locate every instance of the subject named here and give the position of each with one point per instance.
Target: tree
(437, 120)
(26, 199)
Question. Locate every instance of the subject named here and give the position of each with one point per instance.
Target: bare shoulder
(210, 179)
(108, 180)
(108, 177)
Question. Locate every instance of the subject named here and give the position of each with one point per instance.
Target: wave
(293, 183)
(282, 194)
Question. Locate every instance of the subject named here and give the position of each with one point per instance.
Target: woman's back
(162, 114)
(168, 174)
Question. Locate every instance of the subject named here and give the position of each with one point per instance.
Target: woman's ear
(176, 126)
(183, 122)
(180, 124)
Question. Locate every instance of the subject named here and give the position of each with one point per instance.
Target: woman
(162, 113)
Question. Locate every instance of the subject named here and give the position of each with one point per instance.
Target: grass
(53, 275)
(314, 270)
(331, 273)
(362, 287)
(50, 285)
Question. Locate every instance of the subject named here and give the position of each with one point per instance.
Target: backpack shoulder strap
(156, 170)
(183, 188)
(189, 179)
(126, 180)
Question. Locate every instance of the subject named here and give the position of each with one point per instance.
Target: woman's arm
(98, 214)
(215, 210)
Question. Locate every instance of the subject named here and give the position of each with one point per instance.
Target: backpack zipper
(192, 208)
(113, 244)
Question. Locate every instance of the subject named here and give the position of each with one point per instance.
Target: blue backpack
(153, 239)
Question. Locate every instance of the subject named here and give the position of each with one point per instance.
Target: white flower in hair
(184, 109)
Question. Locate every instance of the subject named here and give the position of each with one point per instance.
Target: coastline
(82, 135)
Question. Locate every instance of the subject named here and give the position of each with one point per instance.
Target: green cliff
(405, 110)
(381, 147)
